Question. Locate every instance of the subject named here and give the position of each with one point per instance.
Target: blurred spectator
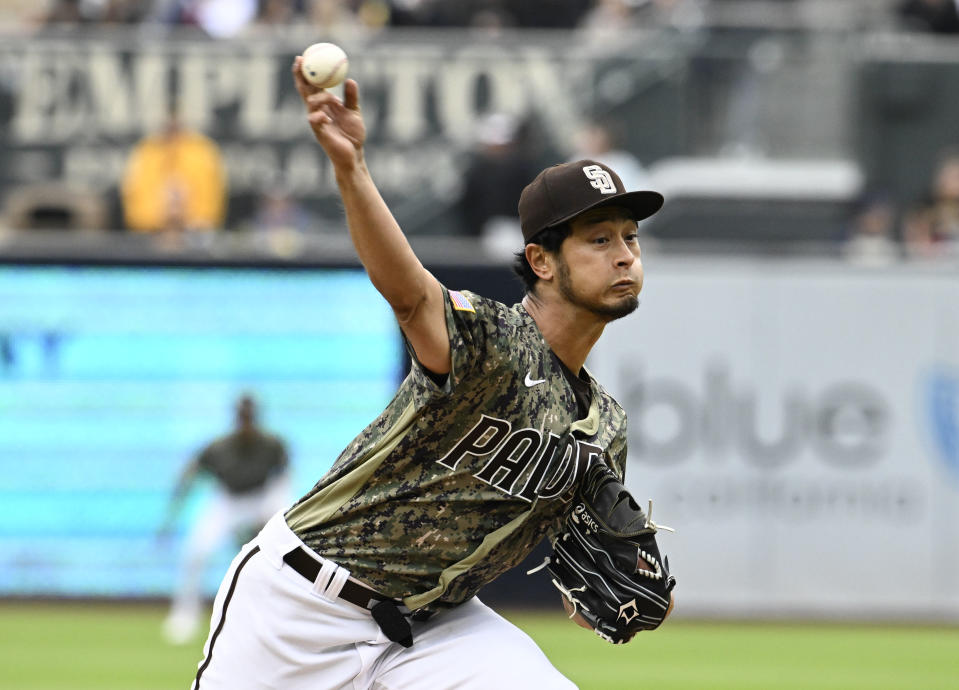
(217, 18)
(327, 15)
(250, 468)
(437, 13)
(409, 12)
(277, 209)
(500, 166)
(165, 13)
(174, 182)
(273, 16)
(936, 16)
(324, 15)
(931, 228)
(607, 16)
(222, 18)
(280, 221)
(124, 11)
(373, 15)
(548, 14)
(602, 141)
(64, 12)
(542, 14)
(871, 240)
(278, 12)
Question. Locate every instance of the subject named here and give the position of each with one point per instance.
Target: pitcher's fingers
(305, 88)
(319, 118)
(322, 98)
(351, 94)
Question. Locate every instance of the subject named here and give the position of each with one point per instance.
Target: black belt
(353, 592)
(386, 611)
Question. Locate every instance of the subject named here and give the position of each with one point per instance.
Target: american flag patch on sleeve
(460, 303)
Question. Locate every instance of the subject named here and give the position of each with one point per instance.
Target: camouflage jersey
(456, 483)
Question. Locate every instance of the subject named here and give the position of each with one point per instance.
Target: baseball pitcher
(497, 437)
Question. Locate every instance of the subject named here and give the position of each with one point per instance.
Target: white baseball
(324, 65)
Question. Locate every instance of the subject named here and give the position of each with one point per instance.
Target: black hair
(549, 239)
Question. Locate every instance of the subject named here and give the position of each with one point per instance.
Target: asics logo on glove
(579, 513)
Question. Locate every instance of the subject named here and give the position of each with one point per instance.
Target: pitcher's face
(599, 265)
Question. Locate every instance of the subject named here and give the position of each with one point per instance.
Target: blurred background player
(250, 468)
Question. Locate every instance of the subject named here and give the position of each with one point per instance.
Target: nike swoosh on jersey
(530, 382)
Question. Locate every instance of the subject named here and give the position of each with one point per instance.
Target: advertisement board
(72, 110)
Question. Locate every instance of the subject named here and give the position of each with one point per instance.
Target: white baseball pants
(272, 628)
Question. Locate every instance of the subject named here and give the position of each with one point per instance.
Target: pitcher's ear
(540, 260)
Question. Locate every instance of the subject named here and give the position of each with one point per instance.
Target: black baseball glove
(606, 562)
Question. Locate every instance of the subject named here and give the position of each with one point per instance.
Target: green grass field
(110, 647)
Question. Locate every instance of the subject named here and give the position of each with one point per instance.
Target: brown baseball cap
(563, 191)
